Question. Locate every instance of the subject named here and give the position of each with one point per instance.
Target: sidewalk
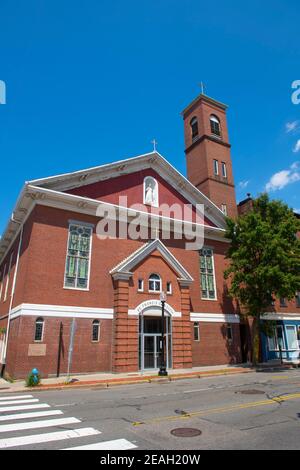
(105, 380)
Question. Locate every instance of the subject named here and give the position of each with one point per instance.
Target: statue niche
(150, 191)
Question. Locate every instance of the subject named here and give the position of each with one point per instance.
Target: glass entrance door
(151, 351)
(150, 343)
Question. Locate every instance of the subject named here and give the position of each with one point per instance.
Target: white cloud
(283, 178)
(297, 147)
(243, 184)
(297, 211)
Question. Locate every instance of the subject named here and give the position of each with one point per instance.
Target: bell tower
(207, 150)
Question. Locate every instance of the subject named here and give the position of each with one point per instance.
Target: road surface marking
(35, 414)
(23, 407)
(38, 424)
(118, 444)
(15, 397)
(271, 401)
(49, 437)
(16, 402)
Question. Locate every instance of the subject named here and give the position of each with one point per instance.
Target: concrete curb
(102, 384)
(108, 383)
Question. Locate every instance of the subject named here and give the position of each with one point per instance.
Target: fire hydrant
(35, 375)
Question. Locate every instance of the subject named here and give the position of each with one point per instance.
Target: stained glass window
(78, 256)
(207, 274)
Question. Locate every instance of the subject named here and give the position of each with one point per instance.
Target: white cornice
(280, 316)
(215, 317)
(61, 311)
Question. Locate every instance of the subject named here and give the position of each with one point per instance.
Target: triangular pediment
(72, 181)
(125, 267)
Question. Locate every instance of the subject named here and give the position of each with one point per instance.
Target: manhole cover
(252, 392)
(186, 432)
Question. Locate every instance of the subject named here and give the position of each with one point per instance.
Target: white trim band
(215, 317)
(153, 308)
(280, 316)
(62, 311)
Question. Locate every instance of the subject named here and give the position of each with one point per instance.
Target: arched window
(39, 329)
(194, 127)
(215, 126)
(154, 283)
(96, 331)
(150, 191)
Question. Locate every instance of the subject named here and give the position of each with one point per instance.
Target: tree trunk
(255, 340)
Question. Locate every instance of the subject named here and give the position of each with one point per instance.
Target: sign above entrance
(153, 307)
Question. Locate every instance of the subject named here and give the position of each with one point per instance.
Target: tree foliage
(264, 257)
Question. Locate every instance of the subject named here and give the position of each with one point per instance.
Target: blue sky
(92, 82)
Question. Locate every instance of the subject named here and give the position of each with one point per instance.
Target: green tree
(264, 259)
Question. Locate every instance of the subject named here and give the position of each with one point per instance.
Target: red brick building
(56, 271)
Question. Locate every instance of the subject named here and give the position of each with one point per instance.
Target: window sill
(209, 300)
(216, 136)
(76, 288)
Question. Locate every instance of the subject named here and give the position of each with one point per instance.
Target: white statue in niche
(150, 192)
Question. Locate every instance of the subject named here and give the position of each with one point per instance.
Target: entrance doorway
(150, 342)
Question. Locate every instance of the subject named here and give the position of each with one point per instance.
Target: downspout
(12, 294)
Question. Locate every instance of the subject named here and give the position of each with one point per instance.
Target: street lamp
(162, 371)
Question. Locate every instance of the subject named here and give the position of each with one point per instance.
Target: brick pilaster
(125, 331)
(182, 338)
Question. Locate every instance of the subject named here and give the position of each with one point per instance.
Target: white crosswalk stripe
(34, 414)
(38, 424)
(118, 444)
(23, 407)
(15, 397)
(48, 437)
(12, 424)
(18, 402)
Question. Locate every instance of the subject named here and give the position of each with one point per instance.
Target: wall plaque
(37, 349)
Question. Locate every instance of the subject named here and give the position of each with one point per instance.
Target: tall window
(8, 277)
(207, 273)
(194, 127)
(298, 299)
(292, 338)
(224, 209)
(277, 339)
(1, 285)
(196, 331)
(215, 125)
(78, 256)
(282, 302)
(39, 329)
(96, 331)
(224, 170)
(154, 283)
(229, 332)
(216, 167)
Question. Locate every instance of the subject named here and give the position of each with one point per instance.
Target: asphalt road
(247, 411)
